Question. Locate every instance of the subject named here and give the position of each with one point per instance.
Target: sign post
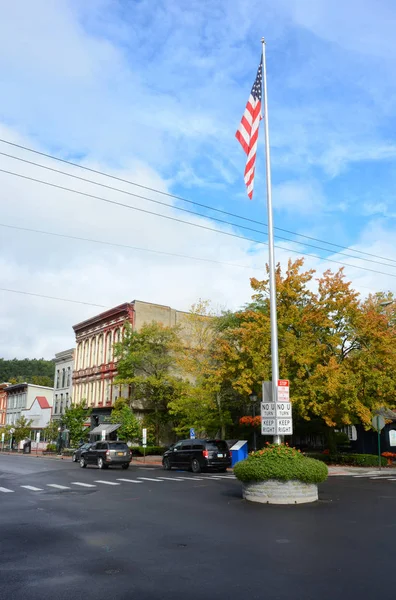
(12, 430)
(276, 417)
(2, 441)
(192, 433)
(37, 441)
(144, 442)
(378, 423)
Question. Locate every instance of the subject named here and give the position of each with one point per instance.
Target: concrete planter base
(273, 491)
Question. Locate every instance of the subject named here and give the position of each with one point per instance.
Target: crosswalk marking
(5, 490)
(82, 484)
(58, 487)
(172, 478)
(192, 478)
(391, 478)
(130, 480)
(32, 488)
(221, 477)
(106, 482)
(150, 479)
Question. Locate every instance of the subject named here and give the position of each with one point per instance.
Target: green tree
(201, 401)
(122, 414)
(21, 370)
(74, 419)
(22, 429)
(147, 364)
(51, 431)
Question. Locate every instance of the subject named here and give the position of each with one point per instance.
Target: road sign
(284, 426)
(144, 437)
(38, 437)
(284, 383)
(12, 430)
(267, 391)
(192, 433)
(268, 410)
(283, 410)
(268, 426)
(378, 422)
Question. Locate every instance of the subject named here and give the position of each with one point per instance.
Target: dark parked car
(104, 454)
(77, 453)
(198, 455)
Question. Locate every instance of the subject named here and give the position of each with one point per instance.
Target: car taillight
(205, 453)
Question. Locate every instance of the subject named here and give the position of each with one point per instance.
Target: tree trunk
(221, 420)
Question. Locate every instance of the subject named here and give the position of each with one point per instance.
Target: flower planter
(273, 491)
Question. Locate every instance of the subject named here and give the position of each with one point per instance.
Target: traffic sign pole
(379, 442)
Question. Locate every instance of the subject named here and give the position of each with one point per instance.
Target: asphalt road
(188, 536)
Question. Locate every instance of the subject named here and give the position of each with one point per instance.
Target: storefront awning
(108, 428)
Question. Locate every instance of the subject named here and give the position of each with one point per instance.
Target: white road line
(82, 484)
(391, 478)
(5, 490)
(106, 482)
(193, 478)
(149, 479)
(221, 477)
(377, 477)
(58, 487)
(130, 480)
(172, 478)
(32, 488)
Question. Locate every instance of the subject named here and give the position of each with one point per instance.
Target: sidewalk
(338, 470)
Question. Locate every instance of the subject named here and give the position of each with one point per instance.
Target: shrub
(280, 462)
(153, 450)
(51, 448)
(353, 460)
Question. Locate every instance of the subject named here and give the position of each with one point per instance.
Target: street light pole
(253, 400)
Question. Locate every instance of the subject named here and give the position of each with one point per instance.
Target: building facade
(64, 365)
(39, 414)
(95, 365)
(21, 396)
(3, 403)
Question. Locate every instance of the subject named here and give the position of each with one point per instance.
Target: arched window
(86, 354)
(100, 351)
(93, 352)
(109, 347)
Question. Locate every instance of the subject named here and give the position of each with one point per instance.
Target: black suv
(198, 455)
(105, 454)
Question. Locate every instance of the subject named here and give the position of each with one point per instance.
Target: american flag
(247, 133)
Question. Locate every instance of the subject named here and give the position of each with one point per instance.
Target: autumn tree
(146, 363)
(337, 350)
(22, 429)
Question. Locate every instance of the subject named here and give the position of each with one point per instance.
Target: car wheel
(83, 464)
(125, 466)
(101, 463)
(74, 458)
(195, 466)
(166, 464)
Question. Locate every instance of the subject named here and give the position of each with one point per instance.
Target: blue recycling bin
(239, 451)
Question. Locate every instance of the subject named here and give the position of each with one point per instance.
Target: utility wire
(169, 195)
(100, 198)
(109, 187)
(82, 239)
(52, 297)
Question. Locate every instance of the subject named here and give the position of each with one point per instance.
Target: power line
(169, 195)
(100, 198)
(82, 239)
(109, 187)
(52, 297)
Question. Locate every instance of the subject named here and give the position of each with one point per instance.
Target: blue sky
(154, 91)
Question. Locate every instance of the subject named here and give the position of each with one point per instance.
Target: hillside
(32, 370)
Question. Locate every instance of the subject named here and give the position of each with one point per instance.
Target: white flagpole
(271, 252)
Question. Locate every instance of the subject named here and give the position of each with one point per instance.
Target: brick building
(3, 403)
(95, 365)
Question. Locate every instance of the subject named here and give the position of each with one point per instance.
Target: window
(91, 396)
(108, 347)
(186, 446)
(67, 399)
(86, 355)
(199, 447)
(68, 376)
(58, 379)
(93, 352)
(56, 407)
(217, 445)
(61, 403)
(63, 378)
(118, 446)
(100, 352)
